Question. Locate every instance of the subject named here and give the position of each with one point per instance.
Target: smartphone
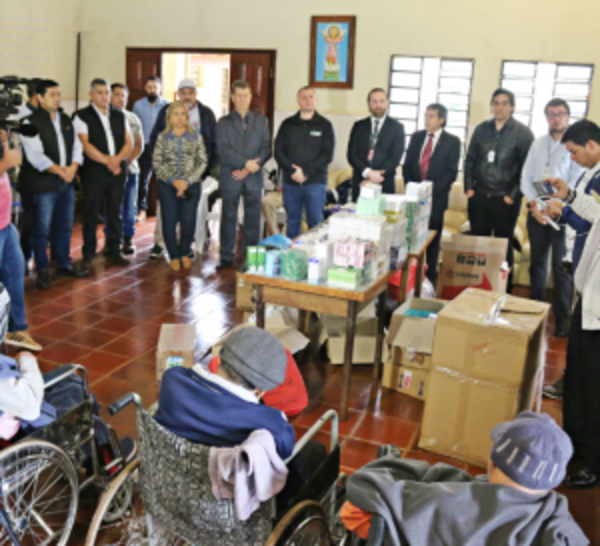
(544, 188)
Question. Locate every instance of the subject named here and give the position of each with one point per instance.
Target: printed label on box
(173, 361)
(405, 380)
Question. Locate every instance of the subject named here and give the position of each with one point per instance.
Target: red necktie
(426, 157)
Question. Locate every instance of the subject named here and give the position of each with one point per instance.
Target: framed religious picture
(332, 51)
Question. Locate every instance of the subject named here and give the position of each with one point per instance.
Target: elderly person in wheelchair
(400, 502)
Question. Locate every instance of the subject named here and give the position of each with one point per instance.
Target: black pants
(491, 215)
(145, 162)
(27, 223)
(97, 193)
(581, 399)
(438, 208)
(542, 239)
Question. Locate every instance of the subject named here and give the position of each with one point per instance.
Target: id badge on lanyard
(491, 156)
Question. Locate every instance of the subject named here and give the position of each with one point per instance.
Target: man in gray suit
(243, 146)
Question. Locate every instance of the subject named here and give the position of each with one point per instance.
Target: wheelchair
(167, 497)
(42, 474)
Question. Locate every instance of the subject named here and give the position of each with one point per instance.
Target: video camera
(11, 98)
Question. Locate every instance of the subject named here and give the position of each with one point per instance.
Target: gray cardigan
(238, 142)
(177, 158)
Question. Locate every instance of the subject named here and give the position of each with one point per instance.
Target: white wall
(38, 38)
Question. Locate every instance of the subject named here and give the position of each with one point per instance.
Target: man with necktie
(433, 154)
(376, 146)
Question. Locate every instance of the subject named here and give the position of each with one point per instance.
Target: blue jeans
(130, 206)
(53, 220)
(12, 276)
(311, 197)
(175, 210)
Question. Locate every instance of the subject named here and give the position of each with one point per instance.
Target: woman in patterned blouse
(179, 161)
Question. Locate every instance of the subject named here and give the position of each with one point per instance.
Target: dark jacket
(208, 124)
(308, 143)
(238, 142)
(443, 506)
(30, 179)
(582, 227)
(202, 411)
(502, 177)
(388, 152)
(443, 168)
(92, 171)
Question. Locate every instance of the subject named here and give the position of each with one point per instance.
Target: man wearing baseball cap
(203, 120)
(441, 505)
(223, 409)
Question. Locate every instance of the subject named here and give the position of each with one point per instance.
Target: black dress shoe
(562, 329)
(117, 259)
(71, 271)
(581, 479)
(224, 265)
(555, 391)
(128, 247)
(43, 280)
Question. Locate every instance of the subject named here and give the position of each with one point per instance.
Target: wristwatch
(570, 197)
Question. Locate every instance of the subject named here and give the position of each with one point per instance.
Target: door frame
(221, 51)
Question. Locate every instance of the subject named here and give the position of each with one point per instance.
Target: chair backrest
(176, 490)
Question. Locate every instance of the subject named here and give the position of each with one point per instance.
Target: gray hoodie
(441, 505)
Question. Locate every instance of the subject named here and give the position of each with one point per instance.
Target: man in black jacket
(50, 162)
(303, 150)
(107, 143)
(376, 146)
(203, 120)
(495, 159)
(433, 154)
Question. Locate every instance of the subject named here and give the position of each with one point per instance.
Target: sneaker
(555, 391)
(156, 252)
(128, 449)
(186, 262)
(128, 247)
(22, 340)
(175, 265)
(141, 217)
(42, 282)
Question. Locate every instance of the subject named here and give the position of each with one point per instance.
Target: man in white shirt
(51, 161)
(107, 143)
(549, 158)
(118, 100)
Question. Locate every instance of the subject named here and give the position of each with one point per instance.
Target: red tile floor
(110, 322)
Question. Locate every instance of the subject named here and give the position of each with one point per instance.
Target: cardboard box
(461, 413)
(492, 337)
(244, 293)
(412, 337)
(409, 381)
(176, 345)
(477, 262)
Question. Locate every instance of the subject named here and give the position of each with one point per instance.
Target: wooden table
(338, 302)
(328, 300)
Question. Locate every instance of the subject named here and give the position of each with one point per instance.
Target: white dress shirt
(436, 139)
(548, 158)
(33, 148)
(194, 114)
(81, 128)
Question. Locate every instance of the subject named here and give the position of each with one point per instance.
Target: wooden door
(258, 69)
(141, 64)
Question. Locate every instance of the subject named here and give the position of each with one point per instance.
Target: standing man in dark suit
(203, 121)
(243, 146)
(376, 146)
(433, 154)
(104, 134)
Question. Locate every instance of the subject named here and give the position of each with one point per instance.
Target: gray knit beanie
(532, 450)
(257, 355)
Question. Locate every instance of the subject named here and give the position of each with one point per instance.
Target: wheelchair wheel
(39, 494)
(121, 520)
(304, 525)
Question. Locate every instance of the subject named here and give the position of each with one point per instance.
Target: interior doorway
(213, 70)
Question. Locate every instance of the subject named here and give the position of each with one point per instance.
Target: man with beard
(147, 110)
(376, 146)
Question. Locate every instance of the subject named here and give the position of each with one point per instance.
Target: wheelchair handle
(123, 402)
(64, 371)
(312, 432)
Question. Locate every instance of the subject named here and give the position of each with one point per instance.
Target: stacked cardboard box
(487, 367)
(411, 335)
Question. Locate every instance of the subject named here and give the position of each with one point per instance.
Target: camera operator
(50, 164)
(32, 103)
(12, 264)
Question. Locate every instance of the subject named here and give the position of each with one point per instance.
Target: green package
(252, 259)
(294, 264)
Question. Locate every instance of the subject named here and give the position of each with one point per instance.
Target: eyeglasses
(559, 115)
